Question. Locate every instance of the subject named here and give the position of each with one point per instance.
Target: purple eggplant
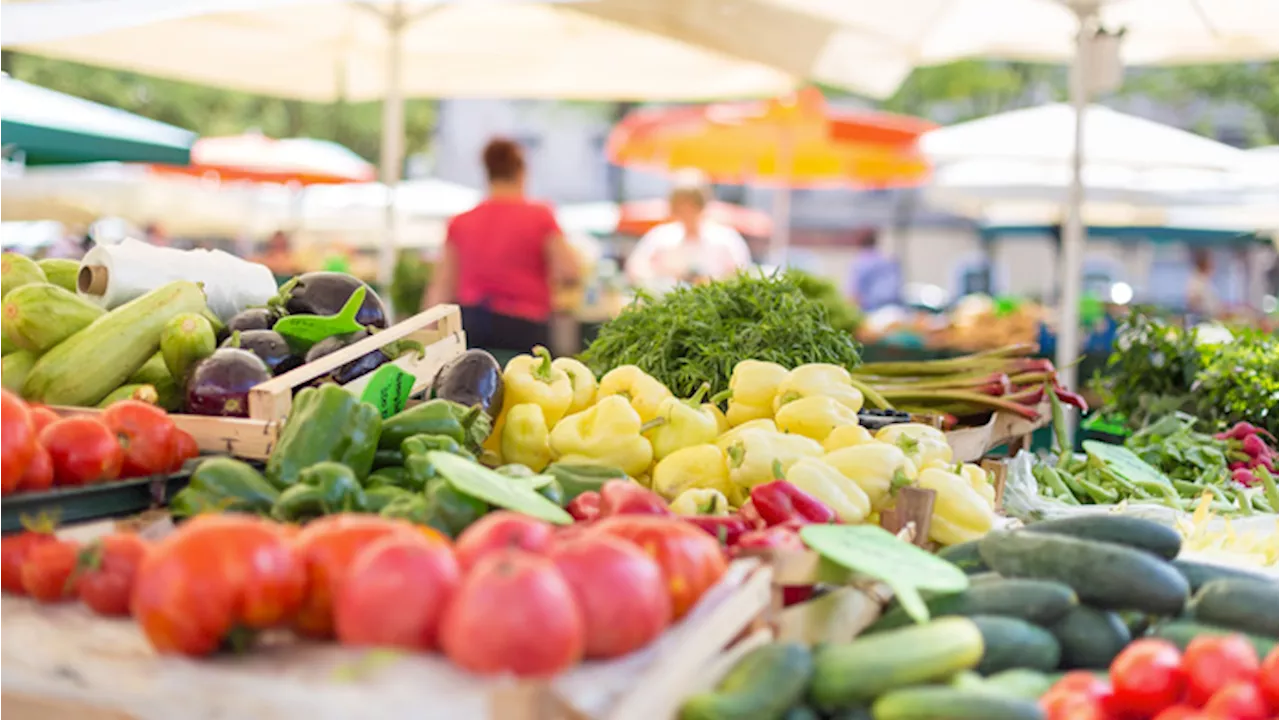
(252, 319)
(344, 374)
(219, 384)
(324, 293)
(472, 378)
(268, 345)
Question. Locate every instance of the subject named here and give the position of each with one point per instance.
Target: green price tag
(388, 390)
(875, 552)
(307, 330)
(480, 482)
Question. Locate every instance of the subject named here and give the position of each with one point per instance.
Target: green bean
(1269, 486)
(1050, 479)
(1191, 488)
(1242, 502)
(1100, 495)
(1260, 503)
(1069, 479)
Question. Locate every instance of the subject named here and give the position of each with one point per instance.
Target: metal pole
(392, 158)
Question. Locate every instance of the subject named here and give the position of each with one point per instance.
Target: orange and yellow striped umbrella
(796, 141)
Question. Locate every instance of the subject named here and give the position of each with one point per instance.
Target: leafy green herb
(842, 314)
(697, 334)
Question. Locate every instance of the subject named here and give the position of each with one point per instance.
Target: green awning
(43, 127)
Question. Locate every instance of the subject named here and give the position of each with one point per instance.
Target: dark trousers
(502, 333)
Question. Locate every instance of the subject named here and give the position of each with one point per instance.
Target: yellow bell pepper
(581, 379)
(832, 381)
(722, 422)
(753, 385)
(681, 423)
(640, 389)
(814, 417)
(729, 437)
(960, 514)
(701, 501)
(829, 485)
(755, 454)
(607, 432)
(922, 443)
(980, 481)
(877, 468)
(533, 379)
(525, 436)
(847, 436)
(696, 466)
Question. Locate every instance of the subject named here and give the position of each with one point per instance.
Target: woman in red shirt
(501, 259)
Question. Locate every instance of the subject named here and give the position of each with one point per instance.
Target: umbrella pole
(781, 238)
(1073, 236)
(392, 141)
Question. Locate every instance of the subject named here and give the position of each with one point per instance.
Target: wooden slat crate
(60, 661)
(439, 329)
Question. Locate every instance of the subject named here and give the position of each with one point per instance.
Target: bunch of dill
(696, 334)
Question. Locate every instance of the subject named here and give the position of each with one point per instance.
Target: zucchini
(185, 340)
(1107, 576)
(39, 315)
(18, 270)
(1022, 683)
(154, 373)
(1250, 606)
(144, 393)
(1182, 632)
(1009, 643)
(1198, 573)
(14, 369)
(856, 672)
(61, 272)
(964, 556)
(1037, 601)
(1137, 622)
(802, 712)
(764, 684)
(1090, 638)
(1137, 533)
(82, 369)
(944, 703)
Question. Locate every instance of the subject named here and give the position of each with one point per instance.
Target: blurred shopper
(1202, 299)
(155, 235)
(501, 260)
(875, 279)
(69, 247)
(278, 256)
(690, 248)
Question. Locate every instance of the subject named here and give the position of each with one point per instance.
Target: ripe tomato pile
(40, 450)
(513, 595)
(1217, 677)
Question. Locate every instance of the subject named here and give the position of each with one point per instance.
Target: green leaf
(504, 492)
(311, 329)
(1123, 462)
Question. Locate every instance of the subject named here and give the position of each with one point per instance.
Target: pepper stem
(656, 422)
(720, 397)
(543, 371)
(696, 399)
(778, 472)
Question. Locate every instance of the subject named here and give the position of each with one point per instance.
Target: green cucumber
(14, 369)
(859, 671)
(802, 712)
(1137, 533)
(1038, 601)
(964, 556)
(1107, 576)
(39, 315)
(82, 369)
(1251, 606)
(145, 393)
(186, 339)
(1021, 683)
(944, 703)
(764, 684)
(1136, 622)
(18, 270)
(61, 272)
(1012, 643)
(156, 374)
(1198, 573)
(1090, 638)
(1182, 632)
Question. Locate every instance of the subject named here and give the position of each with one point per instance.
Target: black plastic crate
(94, 502)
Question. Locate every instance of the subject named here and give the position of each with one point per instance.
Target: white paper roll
(119, 273)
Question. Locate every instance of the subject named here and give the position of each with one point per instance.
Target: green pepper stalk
(542, 372)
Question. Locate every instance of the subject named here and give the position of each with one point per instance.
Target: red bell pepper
(779, 502)
(626, 497)
(725, 528)
(752, 516)
(780, 538)
(585, 507)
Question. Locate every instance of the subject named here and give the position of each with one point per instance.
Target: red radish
(1244, 477)
(1237, 465)
(1253, 446)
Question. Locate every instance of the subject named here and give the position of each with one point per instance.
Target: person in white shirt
(690, 248)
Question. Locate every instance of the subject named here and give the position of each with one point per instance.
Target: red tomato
(17, 440)
(1147, 677)
(13, 553)
(1179, 712)
(83, 451)
(499, 530)
(327, 547)
(216, 574)
(42, 416)
(1238, 700)
(1269, 680)
(184, 447)
(39, 472)
(107, 569)
(1085, 682)
(690, 559)
(513, 613)
(145, 432)
(620, 590)
(395, 594)
(1212, 661)
(48, 572)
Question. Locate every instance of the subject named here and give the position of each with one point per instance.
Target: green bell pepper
(327, 423)
(324, 488)
(410, 506)
(575, 479)
(397, 477)
(434, 417)
(379, 498)
(222, 484)
(515, 470)
(416, 464)
(553, 492)
(387, 458)
(452, 510)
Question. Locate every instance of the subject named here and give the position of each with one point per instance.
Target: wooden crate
(439, 329)
(60, 661)
(971, 444)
